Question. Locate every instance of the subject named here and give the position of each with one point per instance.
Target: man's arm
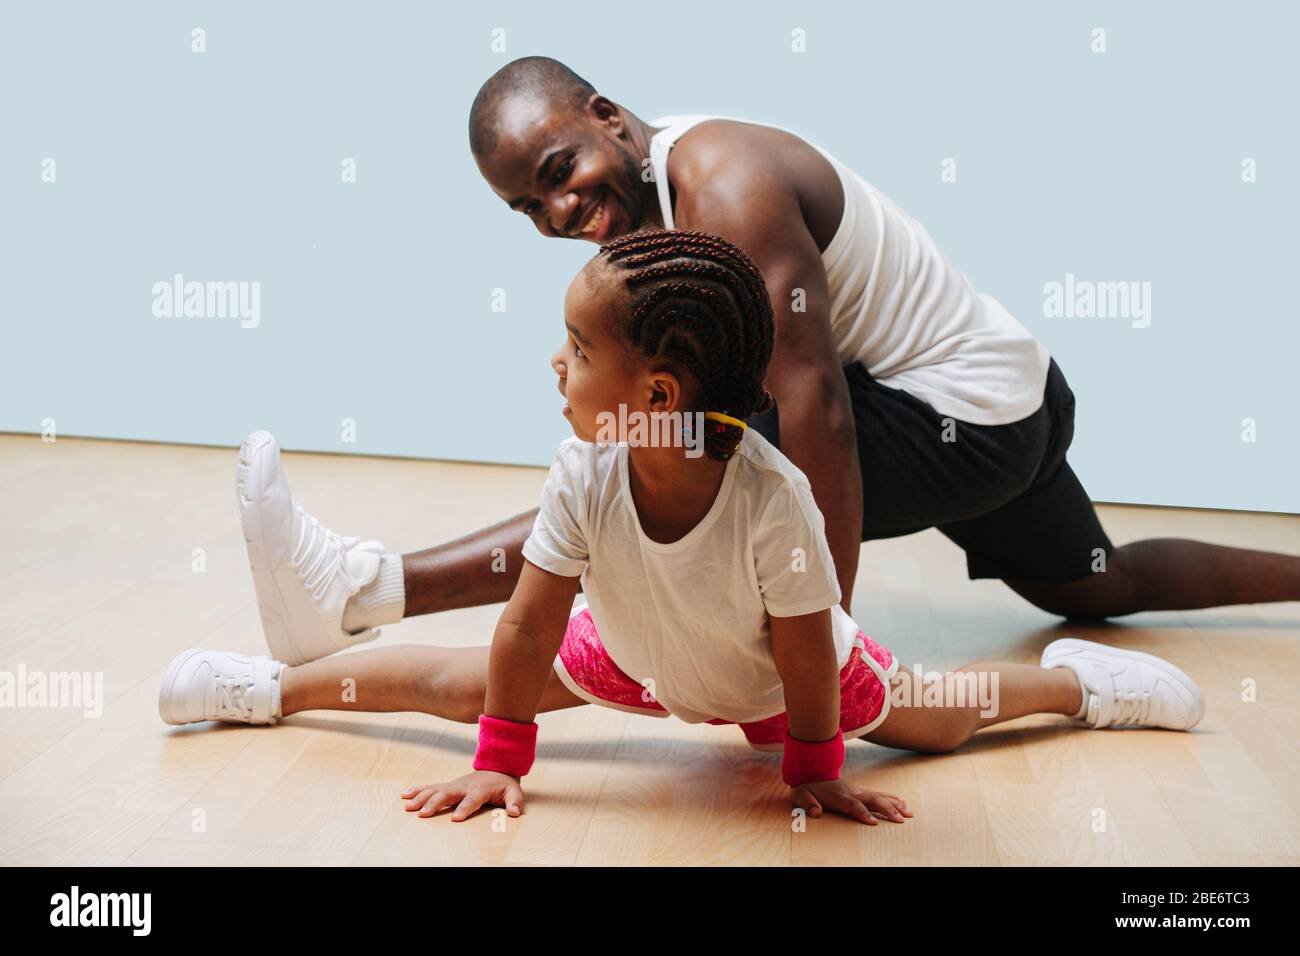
(758, 211)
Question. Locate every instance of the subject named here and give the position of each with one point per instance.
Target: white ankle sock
(382, 601)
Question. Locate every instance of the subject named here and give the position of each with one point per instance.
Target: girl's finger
(438, 800)
(806, 802)
(421, 797)
(514, 799)
(468, 807)
(900, 809)
(858, 811)
(887, 812)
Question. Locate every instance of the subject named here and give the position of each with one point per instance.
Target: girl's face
(598, 373)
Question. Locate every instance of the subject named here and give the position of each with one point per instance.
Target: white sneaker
(209, 685)
(303, 572)
(1128, 688)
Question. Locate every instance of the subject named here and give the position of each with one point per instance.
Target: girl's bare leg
(449, 682)
(1021, 689)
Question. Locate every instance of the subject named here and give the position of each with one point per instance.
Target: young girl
(710, 591)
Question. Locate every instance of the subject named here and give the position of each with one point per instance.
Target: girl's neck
(672, 493)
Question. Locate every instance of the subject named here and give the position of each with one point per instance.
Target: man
(909, 400)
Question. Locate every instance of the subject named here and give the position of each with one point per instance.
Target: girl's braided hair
(698, 304)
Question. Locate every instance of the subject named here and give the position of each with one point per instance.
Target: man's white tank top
(902, 309)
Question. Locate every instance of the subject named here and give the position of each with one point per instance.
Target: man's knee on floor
(1107, 592)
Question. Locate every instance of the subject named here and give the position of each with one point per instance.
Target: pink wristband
(807, 761)
(506, 746)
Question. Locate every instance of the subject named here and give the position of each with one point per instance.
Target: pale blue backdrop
(376, 296)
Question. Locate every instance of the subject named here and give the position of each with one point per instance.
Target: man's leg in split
(1048, 546)
(1167, 574)
(1021, 689)
(448, 682)
(319, 591)
(480, 568)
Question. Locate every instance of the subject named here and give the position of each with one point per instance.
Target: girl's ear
(663, 392)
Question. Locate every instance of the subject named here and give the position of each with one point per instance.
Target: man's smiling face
(574, 176)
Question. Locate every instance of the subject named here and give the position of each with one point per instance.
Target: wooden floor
(97, 574)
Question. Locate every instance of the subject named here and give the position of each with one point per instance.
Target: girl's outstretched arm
(804, 651)
(527, 638)
(524, 645)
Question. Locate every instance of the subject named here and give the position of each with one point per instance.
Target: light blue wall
(376, 295)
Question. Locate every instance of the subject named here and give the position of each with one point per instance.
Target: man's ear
(606, 111)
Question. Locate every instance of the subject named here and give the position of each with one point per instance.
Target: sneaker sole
(1179, 676)
(278, 639)
(166, 693)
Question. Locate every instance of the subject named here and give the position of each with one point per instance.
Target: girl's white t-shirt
(689, 619)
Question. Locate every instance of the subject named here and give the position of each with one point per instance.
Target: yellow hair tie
(727, 419)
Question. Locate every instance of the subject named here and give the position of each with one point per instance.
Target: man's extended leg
(1166, 574)
(319, 592)
(480, 568)
(1049, 547)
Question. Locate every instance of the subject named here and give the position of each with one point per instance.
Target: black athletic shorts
(1004, 493)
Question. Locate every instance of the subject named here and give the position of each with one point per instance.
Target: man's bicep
(763, 218)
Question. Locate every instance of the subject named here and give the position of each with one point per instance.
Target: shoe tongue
(362, 564)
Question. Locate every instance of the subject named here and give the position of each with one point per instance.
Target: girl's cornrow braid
(727, 306)
(698, 301)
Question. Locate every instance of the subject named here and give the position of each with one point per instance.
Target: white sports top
(902, 309)
(691, 618)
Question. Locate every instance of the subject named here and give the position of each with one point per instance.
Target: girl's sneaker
(210, 685)
(1128, 688)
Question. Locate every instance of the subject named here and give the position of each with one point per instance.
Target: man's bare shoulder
(723, 147)
(743, 165)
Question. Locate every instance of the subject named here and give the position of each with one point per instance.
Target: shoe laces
(318, 555)
(1131, 708)
(234, 696)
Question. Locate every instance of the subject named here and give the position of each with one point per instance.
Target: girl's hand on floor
(841, 797)
(467, 794)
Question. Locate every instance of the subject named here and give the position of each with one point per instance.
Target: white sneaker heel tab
(260, 711)
(1102, 683)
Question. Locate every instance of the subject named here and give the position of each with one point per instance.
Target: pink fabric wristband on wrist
(506, 746)
(805, 761)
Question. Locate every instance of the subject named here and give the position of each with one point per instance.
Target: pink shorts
(589, 672)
